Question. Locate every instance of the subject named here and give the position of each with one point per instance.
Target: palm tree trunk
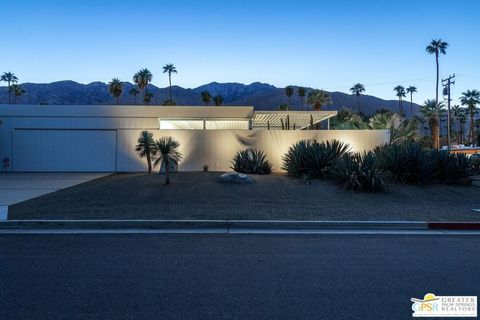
(400, 105)
(135, 99)
(471, 139)
(117, 100)
(358, 102)
(167, 171)
(149, 162)
(170, 83)
(9, 94)
(437, 137)
(303, 103)
(438, 71)
(459, 132)
(434, 128)
(411, 104)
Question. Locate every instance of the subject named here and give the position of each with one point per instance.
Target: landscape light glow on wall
(181, 124)
(166, 124)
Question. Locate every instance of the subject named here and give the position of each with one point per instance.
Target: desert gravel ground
(199, 195)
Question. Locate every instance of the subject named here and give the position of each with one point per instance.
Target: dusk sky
(323, 44)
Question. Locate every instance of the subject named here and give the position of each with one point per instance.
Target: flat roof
(260, 119)
(122, 111)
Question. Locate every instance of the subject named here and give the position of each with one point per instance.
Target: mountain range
(262, 96)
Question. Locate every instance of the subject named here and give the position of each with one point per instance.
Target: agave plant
(295, 160)
(454, 168)
(408, 162)
(311, 158)
(357, 172)
(251, 161)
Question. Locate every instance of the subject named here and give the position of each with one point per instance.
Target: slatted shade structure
(299, 119)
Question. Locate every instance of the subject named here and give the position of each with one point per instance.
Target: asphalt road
(156, 276)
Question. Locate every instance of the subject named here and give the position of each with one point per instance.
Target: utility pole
(446, 83)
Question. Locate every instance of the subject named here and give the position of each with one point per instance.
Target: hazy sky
(322, 44)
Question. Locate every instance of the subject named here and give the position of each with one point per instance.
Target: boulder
(235, 177)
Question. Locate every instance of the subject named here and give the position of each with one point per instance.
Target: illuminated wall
(216, 148)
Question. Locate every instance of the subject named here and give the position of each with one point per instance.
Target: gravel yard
(199, 195)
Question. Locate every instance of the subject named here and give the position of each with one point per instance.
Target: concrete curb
(240, 224)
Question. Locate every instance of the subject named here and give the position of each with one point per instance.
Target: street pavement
(230, 276)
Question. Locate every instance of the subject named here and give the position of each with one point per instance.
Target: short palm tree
(169, 68)
(411, 90)
(147, 98)
(133, 92)
(431, 112)
(461, 117)
(167, 155)
(301, 93)
(318, 98)
(357, 89)
(206, 97)
(115, 87)
(400, 94)
(289, 93)
(470, 99)
(437, 47)
(142, 78)
(17, 91)
(146, 148)
(218, 100)
(9, 78)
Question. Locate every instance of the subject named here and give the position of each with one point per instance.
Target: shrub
(251, 161)
(454, 168)
(295, 160)
(412, 163)
(408, 162)
(475, 166)
(310, 158)
(357, 172)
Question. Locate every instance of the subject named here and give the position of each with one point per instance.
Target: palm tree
(147, 98)
(146, 148)
(318, 98)
(400, 94)
(206, 97)
(357, 89)
(289, 93)
(133, 92)
(169, 68)
(459, 115)
(401, 129)
(411, 90)
(142, 78)
(17, 91)
(301, 93)
(115, 87)
(218, 99)
(167, 155)
(437, 47)
(9, 78)
(431, 110)
(471, 98)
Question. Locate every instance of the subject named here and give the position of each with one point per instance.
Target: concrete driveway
(18, 187)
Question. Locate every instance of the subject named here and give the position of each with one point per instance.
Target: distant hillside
(260, 95)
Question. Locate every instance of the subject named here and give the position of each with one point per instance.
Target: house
(102, 138)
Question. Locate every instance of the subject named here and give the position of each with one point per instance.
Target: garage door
(64, 150)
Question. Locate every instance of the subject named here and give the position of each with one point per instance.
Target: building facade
(103, 138)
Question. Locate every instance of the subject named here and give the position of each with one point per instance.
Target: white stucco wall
(216, 148)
